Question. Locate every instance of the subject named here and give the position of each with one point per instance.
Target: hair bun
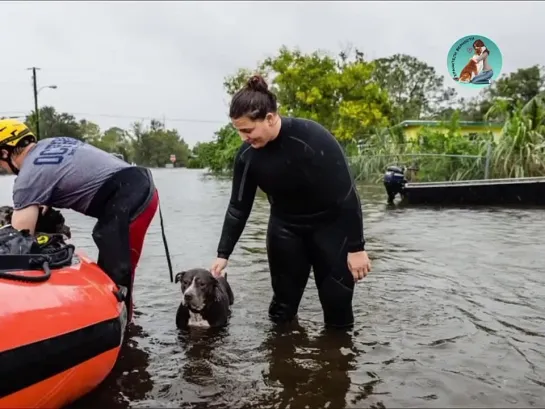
(257, 83)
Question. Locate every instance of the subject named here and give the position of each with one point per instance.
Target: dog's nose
(188, 297)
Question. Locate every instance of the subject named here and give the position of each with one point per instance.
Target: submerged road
(453, 314)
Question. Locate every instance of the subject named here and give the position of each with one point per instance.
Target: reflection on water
(451, 316)
(305, 370)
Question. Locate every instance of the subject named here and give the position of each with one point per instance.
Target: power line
(165, 118)
(206, 121)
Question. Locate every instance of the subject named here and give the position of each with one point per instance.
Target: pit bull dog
(206, 300)
(51, 222)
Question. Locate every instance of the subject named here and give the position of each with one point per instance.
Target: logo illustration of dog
(474, 65)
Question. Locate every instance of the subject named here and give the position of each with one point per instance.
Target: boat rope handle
(29, 279)
(166, 245)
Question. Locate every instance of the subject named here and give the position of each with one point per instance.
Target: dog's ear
(179, 277)
(7, 212)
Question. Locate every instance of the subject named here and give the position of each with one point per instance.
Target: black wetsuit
(315, 218)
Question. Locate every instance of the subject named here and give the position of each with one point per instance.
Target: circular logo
(474, 61)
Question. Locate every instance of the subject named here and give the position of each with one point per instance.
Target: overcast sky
(142, 59)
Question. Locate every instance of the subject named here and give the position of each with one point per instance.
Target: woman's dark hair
(480, 43)
(254, 100)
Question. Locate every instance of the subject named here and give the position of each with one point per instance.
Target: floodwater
(452, 315)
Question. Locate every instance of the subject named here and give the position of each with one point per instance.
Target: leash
(169, 262)
(166, 244)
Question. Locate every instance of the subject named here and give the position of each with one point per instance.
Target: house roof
(410, 123)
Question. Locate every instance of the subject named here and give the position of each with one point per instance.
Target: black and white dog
(50, 222)
(206, 300)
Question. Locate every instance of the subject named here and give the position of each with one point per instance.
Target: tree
(235, 82)
(203, 155)
(116, 140)
(516, 89)
(53, 124)
(89, 131)
(219, 154)
(521, 85)
(153, 145)
(415, 89)
(337, 92)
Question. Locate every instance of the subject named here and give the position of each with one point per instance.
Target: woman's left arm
(339, 185)
(353, 220)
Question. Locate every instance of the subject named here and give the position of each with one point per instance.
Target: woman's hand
(359, 264)
(218, 266)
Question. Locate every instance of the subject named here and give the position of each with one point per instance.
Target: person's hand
(359, 264)
(218, 266)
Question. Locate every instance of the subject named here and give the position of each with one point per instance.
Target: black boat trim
(29, 364)
(475, 183)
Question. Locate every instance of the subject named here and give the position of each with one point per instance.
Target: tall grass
(520, 152)
(443, 156)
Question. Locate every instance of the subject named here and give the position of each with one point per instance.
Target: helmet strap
(12, 166)
(10, 162)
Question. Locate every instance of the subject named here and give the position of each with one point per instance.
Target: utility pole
(37, 112)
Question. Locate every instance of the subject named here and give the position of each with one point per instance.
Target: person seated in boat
(67, 173)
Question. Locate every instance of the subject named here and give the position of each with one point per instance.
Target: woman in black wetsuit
(316, 217)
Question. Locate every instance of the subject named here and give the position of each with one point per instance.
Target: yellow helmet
(13, 131)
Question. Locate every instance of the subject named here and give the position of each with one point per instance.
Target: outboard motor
(394, 182)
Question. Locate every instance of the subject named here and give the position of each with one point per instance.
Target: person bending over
(315, 217)
(67, 173)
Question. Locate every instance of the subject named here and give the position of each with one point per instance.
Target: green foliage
(518, 152)
(144, 145)
(219, 154)
(518, 87)
(414, 87)
(337, 92)
(53, 123)
(361, 102)
(521, 150)
(153, 145)
(349, 95)
(115, 140)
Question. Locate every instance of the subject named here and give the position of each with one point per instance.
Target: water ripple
(451, 316)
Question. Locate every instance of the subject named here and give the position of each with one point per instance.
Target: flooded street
(452, 315)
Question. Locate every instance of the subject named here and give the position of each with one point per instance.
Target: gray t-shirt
(63, 172)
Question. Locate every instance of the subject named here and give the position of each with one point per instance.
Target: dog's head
(52, 222)
(5, 215)
(198, 288)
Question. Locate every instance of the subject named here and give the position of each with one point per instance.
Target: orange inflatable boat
(60, 335)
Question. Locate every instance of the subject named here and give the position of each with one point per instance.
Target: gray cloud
(132, 59)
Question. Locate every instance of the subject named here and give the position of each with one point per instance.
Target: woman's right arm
(240, 205)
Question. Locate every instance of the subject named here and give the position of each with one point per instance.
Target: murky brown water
(453, 314)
